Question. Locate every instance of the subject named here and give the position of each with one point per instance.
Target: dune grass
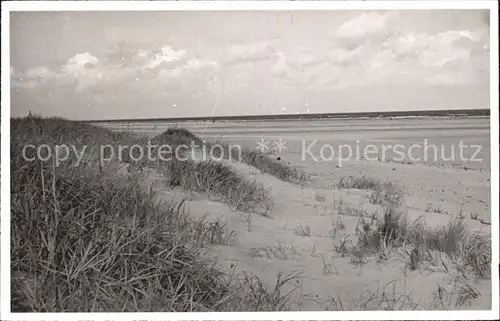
(259, 160)
(273, 167)
(200, 173)
(79, 246)
(221, 150)
(469, 251)
(196, 171)
(393, 232)
(219, 180)
(363, 182)
(178, 136)
(85, 241)
(381, 193)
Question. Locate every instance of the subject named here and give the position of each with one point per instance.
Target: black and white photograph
(212, 158)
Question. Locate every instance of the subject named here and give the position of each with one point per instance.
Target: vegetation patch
(470, 251)
(219, 180)
(363, 182)
(275, 168)
(84, 242)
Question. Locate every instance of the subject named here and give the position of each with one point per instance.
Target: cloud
(31, 77)
(306, 59)
(437, 59)
(41, 73)
(245, 53)
(81, 71)
(120, 66)
(281, 66)
(365, 52)
(344, 57)
(434, 50)
(81, 61)
(315, 70)
(121, 53)
(292, 62)
(21, 83)
(196, 64)
(447, 58)
(363, 25)
(166, 55)
(369, 48)
(142, 57)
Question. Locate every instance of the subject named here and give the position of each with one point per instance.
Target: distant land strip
(357, 115)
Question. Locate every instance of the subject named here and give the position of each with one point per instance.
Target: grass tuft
(363, 182)
(303, 230)
(275, 168)
(469, 251)
(216, 179)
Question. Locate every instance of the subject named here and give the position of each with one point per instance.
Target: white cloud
(85, 71)
(41, 73)
(445, 59)
(305, 59)
(196, 64)
(82, 60)
(82, 70)
(167, 55)
(342, 56)
(363, 25)
(434, 50)
(447, 79)
(281, 67)
(244, 53)
(21, 83)
(142, 57)
(357, 58)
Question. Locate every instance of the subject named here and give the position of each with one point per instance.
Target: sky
(121, 65)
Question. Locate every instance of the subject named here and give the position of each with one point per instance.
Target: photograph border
(11, 6)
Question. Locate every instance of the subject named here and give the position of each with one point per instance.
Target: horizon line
(384, 114)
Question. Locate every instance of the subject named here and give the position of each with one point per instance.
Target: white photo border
(10, 6)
